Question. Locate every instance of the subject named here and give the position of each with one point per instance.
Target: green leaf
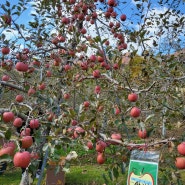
(45, 147)
(72, 113)
(115, 172)
(3, 7)
(5, 158)
(105, 179)
(7, 3)
(116, 122)
(65, 139)
(8, 134)
(97, 39)
(122, 166)
(110, 175)
(149, 117)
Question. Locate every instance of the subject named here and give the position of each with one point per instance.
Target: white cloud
(10, 34)
(156, 29)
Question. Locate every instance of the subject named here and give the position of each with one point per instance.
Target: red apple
(100, 58)
(21, 66)
(117, 111)
(66, 96)
(181, 148)
(100, 158)
(36, 63)
(86, 104)
(31, 91)
(10, 144)
(55, 41)
(135, 112)
(97, 89)
(42, 86)
(123, 17)
(34, 155)
(132, 97)
(83, 31)
(111, 24)
(17, 122)
(7, 151)
(90, 145)
(65, 20)
(78, 131)
(116, 136)
(48, 73)
(8, 117)
(115, 66)
(50, 116)
(27, 141)
(74, 122)
(111, 2)
(26, 132)
(34, 123)
(100, 108)
(19, 98)
(8, 148)
(5, 50)
(67, 67)
(31, 69)
(7, 19)
(5, 78)
(26, 51)
(96, 73)
(180, 162)
(22, 159)
(107, 43)
(100, 146)
(61, 39)
(92, 58)
(107, 14)
(142, 133)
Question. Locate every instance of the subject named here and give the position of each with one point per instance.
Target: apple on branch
(96, 73)
(26, 141)
(8, 117)
(5, 50)
(135, 112)
(22, 159)
(19, 98)
(181, 148)
(180, 162)
(101, 158)
(142, 133)
(132, 97)
(17, 122)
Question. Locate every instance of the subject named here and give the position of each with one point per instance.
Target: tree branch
(12, 86)
(141, 145)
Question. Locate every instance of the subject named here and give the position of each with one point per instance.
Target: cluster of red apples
(180, 161)
(25, 140)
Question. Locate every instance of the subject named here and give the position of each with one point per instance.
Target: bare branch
(141, 145)
(12, 86)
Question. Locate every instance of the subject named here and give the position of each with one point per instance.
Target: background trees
(65, 77)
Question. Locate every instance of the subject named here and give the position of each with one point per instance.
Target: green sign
(143, 170)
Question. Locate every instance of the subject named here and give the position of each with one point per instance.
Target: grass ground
(90, 174)
(79, 175)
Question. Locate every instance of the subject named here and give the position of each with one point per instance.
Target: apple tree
(84, 72)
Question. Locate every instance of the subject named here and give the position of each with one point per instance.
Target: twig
(12, 85)
(4, 110)
(132, 145)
